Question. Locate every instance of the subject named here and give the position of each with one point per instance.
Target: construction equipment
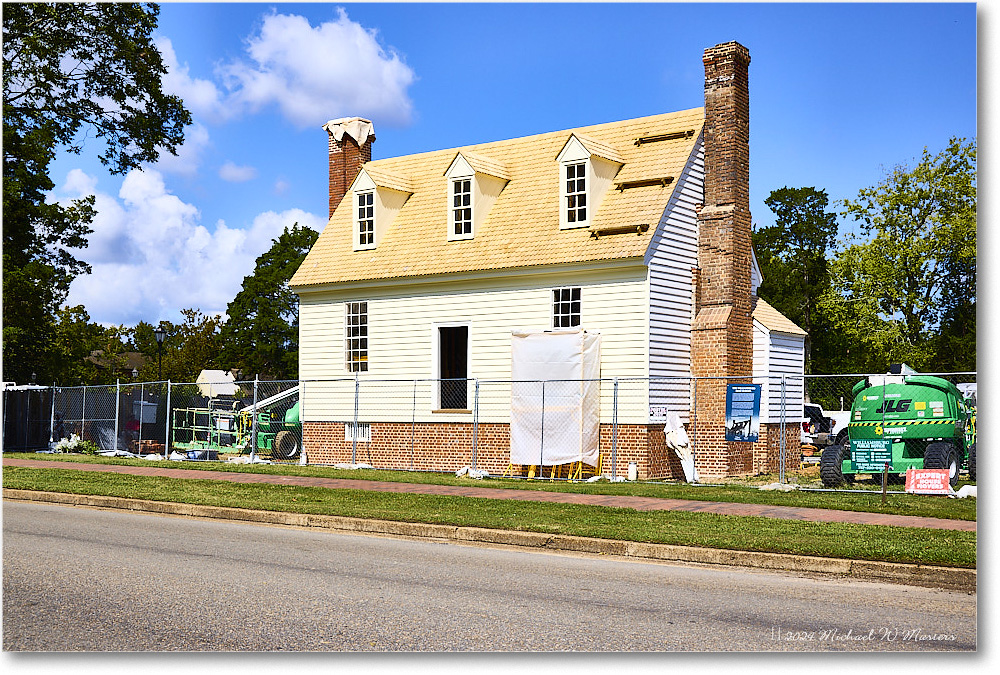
(227, 426)
(900, 421)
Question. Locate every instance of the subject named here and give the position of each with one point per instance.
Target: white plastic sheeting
(678, 441)
(555, 398)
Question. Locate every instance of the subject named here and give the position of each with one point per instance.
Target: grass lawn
(866, 542)
(738, 490)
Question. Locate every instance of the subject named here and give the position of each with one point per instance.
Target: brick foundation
(439, 446)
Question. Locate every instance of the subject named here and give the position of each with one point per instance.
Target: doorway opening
(453, 367)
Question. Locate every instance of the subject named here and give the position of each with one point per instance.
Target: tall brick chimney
(722, 333)
(351, 141)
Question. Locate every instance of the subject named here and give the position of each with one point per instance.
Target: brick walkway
(637, 503)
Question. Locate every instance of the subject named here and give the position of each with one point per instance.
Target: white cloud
(188, 157)
(314, 74)
(232, 173)
(151, 257)
(201, 97)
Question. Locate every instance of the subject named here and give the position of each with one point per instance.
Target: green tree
(792, 255)
(907, 292)
(70, 71)
(261, 336)
(190, 347)
(76, 339)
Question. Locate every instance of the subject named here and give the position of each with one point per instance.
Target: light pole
(160, 333)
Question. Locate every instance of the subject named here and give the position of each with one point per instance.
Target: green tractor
(904, 420)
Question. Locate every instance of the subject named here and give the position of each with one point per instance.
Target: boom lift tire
(943, 455)
(831, 467)
(286, 445)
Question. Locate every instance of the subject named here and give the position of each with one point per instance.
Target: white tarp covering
(214, 383)
(555, 398)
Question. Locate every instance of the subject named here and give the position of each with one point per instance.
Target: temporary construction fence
(617, 427)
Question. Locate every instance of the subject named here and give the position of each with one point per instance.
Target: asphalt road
(85, 579)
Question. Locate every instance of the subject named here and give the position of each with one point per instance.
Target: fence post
(52, 415)
(614, 433)
(118, 396)
(541, 447)
(168, 423)
(354, 428)
(303, 459)
(694, 430)
(413, 425)
(83, 415)
(475, 425)
(142, 409)
(253, 426)
(781, 441)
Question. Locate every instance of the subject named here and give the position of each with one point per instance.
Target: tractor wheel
(831, 467)
(972, 462)
(842, 438)
(943, 455)
(286, 445)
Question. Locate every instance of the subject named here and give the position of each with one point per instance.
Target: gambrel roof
(522, 229)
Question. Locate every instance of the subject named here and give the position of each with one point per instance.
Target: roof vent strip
(664, 137)
(623, 229)
(645, 182)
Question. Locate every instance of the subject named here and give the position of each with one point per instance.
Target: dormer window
(586, 170)
(576, 193)
(461, 211)
(474, 182)
(378, 197)
(366, 219)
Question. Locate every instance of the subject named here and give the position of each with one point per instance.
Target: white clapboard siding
(674, 253)
(777, 356)
(402, 333)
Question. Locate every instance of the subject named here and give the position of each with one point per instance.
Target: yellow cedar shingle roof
(522, 228)
(774, 320)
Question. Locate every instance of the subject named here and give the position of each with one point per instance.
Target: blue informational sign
(742, 412)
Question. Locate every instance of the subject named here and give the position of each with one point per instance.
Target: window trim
(360, 235)
(558, 304)
(567, 195)
(469, 208)
(360, 364)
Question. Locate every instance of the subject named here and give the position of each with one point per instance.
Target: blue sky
(840, 93)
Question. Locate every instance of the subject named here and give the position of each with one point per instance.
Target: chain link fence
(616, 427)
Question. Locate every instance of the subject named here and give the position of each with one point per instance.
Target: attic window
(586, 169)
(461, 209)
(366, 219)
(474, 183)
(576, 193)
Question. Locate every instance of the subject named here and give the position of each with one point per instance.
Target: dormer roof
(522, 227)
(480, 164)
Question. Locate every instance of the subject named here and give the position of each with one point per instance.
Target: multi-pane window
(461, 208)
(565, 307)
(356, 337)
(366, 218)
(576, 193)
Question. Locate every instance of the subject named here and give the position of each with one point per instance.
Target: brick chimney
(351, 141)
(722, 333)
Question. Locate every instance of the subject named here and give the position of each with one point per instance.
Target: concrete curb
(951, 578)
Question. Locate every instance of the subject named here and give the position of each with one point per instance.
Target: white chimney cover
(356, 127)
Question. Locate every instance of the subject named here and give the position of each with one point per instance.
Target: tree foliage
(70, 71)
(261, 336)
(792, 255)
(906, 292)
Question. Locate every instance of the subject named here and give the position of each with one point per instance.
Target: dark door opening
(453, 343)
